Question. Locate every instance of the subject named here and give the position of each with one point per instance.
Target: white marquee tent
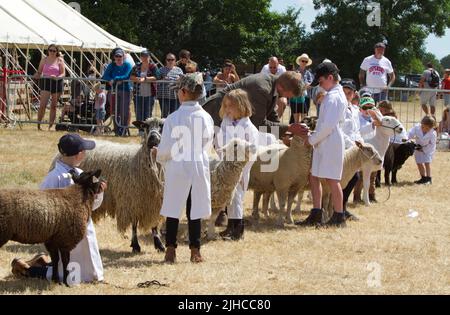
(38, 22)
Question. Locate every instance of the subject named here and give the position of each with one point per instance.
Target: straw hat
(303, 57)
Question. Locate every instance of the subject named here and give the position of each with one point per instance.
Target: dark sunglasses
(52, 50)
(365, 107)
(304, 61)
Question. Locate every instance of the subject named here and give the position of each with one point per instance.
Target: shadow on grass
(13, 285)
(117, 259)
(30, 249)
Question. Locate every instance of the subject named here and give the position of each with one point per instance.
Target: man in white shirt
(375, 71)
(274, 68)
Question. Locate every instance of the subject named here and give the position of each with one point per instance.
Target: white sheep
(55, 217)
(355, 158)
(389, 126)
(287, 180)
(225, 174)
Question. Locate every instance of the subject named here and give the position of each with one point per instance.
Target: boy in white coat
(185, 143)
(328, 142)
(425, 136)
(86, 254)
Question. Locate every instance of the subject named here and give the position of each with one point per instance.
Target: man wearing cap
(117, 75)
(86, 254)
(374, 73)
(329, 146)
(264, 92)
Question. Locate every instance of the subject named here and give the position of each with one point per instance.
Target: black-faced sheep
(396, 155)
(135, 182)
(55, 217)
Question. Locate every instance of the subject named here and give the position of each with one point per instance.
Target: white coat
(86, 253)
(427, 141)
(351, 126)
(367, 130)
(245, 130)
(328, 140)
(185, 143)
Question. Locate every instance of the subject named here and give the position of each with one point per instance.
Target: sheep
(355, 158)
(389, 126)
(225, 175)
(135, 184)
(289, 179)
(396, 155)
(56, 217)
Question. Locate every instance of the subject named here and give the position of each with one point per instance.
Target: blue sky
(438, 46)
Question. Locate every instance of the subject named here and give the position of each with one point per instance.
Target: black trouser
(194, 227)
(349, 188)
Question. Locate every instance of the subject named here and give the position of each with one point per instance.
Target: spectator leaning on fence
(117, 74)
(374, 73)
(50, 71)
(167, 98)
(227, 76)
(430, 80)
(184, 59)
(144, 92)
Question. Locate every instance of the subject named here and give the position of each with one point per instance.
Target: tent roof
(53, 21)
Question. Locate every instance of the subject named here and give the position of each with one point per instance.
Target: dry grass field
(407, 255)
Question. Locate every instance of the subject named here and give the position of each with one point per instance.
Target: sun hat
(303, 57)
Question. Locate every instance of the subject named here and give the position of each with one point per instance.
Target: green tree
(342, 34)
(445, 62)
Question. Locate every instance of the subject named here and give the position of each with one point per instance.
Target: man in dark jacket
(263, 91)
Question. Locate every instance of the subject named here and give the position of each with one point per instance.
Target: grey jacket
(261, 92)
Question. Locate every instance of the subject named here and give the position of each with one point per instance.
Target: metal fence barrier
(128, 101)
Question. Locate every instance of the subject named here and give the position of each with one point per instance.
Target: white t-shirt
(377, 71)
(280, 70)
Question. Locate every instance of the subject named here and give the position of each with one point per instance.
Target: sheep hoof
(136, 249)
(289, 220)
(280, 223)
(158, 244)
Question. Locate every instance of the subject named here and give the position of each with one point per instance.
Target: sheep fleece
(35, 216)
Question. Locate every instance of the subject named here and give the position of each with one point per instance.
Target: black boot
(337, 220)
(238, 232)
(420, 181)
(314, 218)
(350, 216)
(229, 230)
(427, 180)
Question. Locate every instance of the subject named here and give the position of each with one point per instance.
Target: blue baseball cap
(71, 144)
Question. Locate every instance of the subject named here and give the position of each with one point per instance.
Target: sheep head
(152, 128)
(238, 150)
(89, 181)
(369, 153)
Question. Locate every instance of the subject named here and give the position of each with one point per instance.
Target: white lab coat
(328, 139)
(351, 126)
(367, 130)
(242, 129)
(86, 253)
(427, 141)
(185, 143)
